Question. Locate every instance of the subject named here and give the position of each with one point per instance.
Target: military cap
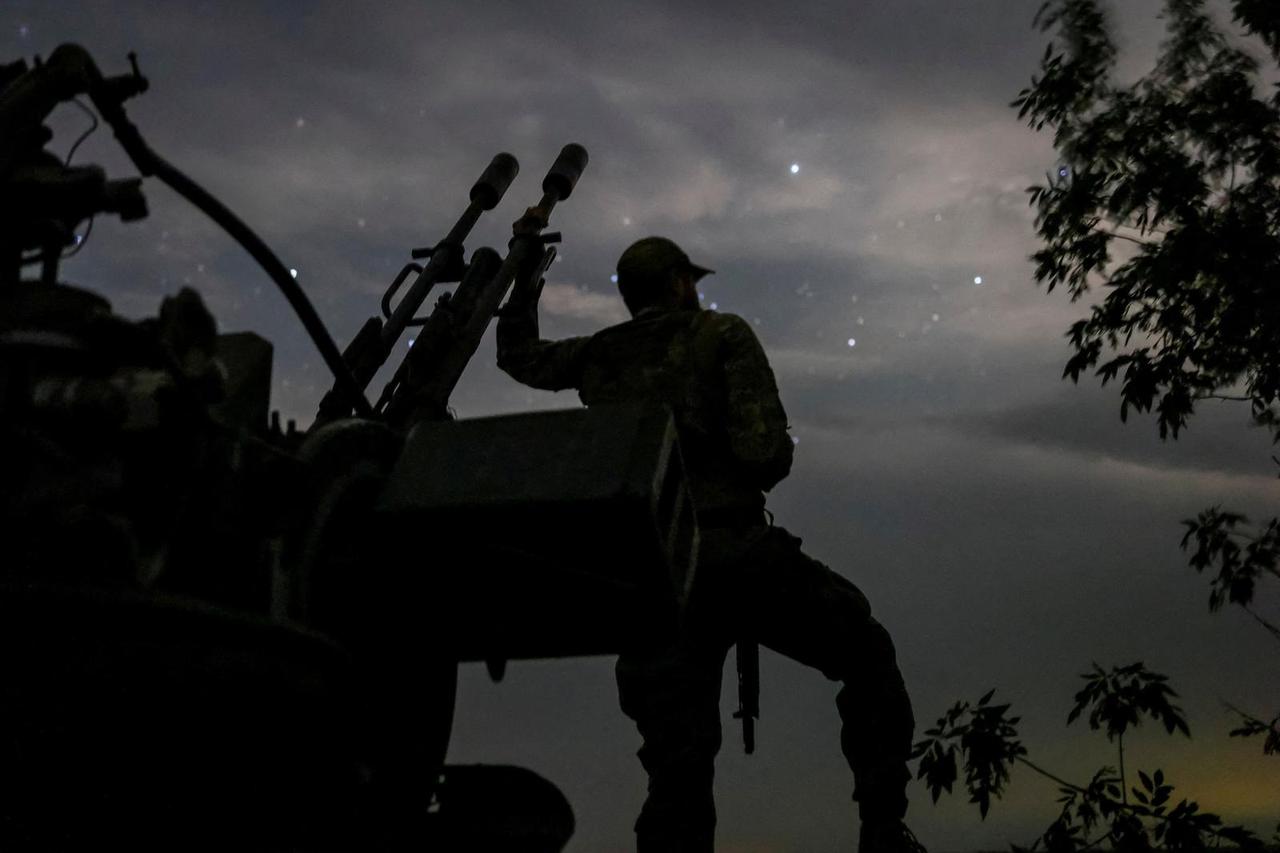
(652, 258)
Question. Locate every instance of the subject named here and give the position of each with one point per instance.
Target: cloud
(803, 364)
(1085, 421)
(578, 303)
(695, 189)
(810, 192)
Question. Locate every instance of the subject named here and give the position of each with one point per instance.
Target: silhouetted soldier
(753, 579)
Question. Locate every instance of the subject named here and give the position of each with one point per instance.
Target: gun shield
(492, 185)
(565, 171)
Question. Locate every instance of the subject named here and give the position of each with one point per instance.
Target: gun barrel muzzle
(492, 185)
(565, 171)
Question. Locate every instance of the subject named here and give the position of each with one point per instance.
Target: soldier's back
(678, 359)
(666, 358)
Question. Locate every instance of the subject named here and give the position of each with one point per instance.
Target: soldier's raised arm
(526, 358)
(757, 423)
(522, 354)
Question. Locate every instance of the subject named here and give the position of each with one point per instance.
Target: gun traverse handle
(748, 655)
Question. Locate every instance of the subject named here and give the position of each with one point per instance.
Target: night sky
(854, 174)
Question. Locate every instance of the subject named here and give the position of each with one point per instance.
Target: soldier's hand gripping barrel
(526, 249)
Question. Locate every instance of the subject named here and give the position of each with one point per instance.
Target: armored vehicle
(219, 632)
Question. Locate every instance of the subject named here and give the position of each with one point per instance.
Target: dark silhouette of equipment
(582, 528)
(220, 633)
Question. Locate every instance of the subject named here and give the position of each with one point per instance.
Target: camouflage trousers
(756, 582)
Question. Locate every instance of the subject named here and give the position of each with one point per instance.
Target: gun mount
(219, 633)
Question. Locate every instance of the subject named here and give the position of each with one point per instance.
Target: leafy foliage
(987, 738)
(1240, 558)
(1251, 726)
(1164, 213)
(1261, 17)
(984, 736)
(1184, 166)
(1167, 197)
(1118, 698)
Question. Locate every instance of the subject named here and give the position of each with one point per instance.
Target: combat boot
(890, 836)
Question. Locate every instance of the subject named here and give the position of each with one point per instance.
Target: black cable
(93, 118)
(275, 270)
(150, 163)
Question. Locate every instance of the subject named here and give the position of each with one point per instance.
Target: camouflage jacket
(708, 368)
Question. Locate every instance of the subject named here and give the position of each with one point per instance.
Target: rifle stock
(748, 657)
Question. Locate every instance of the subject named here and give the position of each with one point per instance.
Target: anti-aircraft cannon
(216, 632)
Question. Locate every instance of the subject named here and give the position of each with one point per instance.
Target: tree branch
(1137, 240)
(1047, 774)
(1245, 715)
(1097, 841)
(1124, 785)
(1275, 631)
